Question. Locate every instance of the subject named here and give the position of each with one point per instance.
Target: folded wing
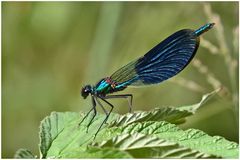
(162, 62)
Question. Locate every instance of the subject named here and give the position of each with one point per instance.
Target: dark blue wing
(163, 61)
(167, 59)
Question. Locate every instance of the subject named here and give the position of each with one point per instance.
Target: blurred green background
(51, 49)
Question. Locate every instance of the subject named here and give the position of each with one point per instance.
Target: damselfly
(162, 62)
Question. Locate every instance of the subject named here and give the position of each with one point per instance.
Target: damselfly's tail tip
(204, 28)
(207, 26)
(211, 25)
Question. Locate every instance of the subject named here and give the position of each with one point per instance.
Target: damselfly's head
(86, 90)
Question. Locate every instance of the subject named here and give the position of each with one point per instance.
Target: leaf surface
(137, 135)
(149, 146)
(24, 154)
(191, 138)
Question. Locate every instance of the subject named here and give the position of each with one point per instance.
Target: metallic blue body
(101, 86)
(104, 87)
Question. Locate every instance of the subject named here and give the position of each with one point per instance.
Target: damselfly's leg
(100, 104)
(122, 96)
(105, 120)
(94, 112)
(93, 108)
(85, 117)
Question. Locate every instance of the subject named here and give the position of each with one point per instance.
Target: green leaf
(149, 146)
(169, 114)
(60, 133)
(191, 138)
(96, 152)
(52, 127)
(24, 154)
(61, 137)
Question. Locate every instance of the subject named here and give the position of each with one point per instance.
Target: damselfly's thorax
(103, 87)
(106, 86)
